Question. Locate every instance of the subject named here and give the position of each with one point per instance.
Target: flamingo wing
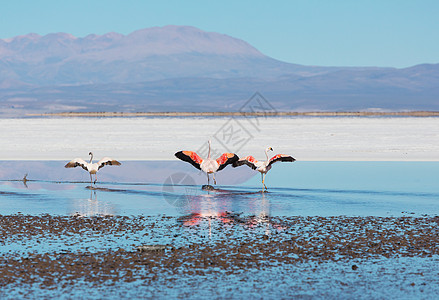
(281, 157)
(248, 160)
(190, 157)
(77, 162)
(225, 159)
(107, 161)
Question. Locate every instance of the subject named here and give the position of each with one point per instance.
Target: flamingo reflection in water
(91, 207)
(218, 209)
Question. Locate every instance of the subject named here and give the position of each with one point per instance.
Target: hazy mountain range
(181, 68)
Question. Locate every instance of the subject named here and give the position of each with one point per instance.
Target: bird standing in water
(208, 165)
(263, 166)
(90, 167)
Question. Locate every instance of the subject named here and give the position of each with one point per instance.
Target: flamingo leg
(263, 181)
(96, 178)
(214, 180)
(91, 179)
(208, 179)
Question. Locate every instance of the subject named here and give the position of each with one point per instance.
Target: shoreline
(330, 251)
(244, 114)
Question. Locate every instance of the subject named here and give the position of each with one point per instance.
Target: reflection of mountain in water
(151, 172)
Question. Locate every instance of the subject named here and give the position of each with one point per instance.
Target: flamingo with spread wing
(208, 165)
(91, 168)
(263, 166)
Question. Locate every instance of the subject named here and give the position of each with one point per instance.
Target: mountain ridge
(156, 40)
(189, 69)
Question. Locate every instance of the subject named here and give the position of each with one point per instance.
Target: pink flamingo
(263, 166)
(208, 165)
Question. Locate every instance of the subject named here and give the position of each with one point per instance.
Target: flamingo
(263, 166)
(91, 168)
(208, 165)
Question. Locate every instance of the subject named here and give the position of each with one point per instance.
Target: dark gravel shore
(161, 249)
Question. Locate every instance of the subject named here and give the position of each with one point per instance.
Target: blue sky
(396, 33)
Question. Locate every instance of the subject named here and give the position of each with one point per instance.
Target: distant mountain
(144, 55)
(183, 68)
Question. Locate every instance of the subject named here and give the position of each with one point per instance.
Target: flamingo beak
(271, 149)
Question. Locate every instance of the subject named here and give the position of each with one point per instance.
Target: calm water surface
(156, 188)
(174, 189)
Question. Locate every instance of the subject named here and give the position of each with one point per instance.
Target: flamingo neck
(91, 157)
(208, 155)
(266, 153)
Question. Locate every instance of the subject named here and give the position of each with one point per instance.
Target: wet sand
(221, 251)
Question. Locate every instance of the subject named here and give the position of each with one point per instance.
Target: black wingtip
(184, 157)
(236, 163)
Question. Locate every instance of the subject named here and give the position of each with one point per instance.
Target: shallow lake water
(175, 189)
(179, 213)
